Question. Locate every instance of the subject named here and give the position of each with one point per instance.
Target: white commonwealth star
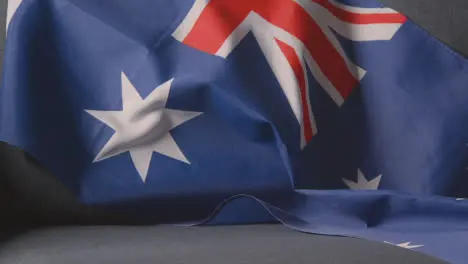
(142, 126)
(405, 245)
(362, 183)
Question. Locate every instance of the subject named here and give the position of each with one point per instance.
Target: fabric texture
(29, 186)
(36, 194)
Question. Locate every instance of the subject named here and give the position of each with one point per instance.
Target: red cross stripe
(292, 34)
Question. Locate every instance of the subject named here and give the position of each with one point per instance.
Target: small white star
(405, 245)
(460, 199)
(142, 126)
(362, 183)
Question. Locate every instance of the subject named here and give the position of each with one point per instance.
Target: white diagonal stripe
(12, 7)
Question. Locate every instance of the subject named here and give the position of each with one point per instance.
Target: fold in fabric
(331, 117)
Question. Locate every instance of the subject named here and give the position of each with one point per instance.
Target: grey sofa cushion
(265, 244)
(445, 20)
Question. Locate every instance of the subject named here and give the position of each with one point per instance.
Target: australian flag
(331, 117)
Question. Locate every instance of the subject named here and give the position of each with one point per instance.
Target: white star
(460, 199)
(405, 245)
(142, 126)
(362, 183)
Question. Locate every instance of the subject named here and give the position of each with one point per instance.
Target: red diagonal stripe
(295, 63)
(219, 19)
(291, 17)
(355, 18)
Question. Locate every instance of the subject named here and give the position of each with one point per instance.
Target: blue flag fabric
(339, 118)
